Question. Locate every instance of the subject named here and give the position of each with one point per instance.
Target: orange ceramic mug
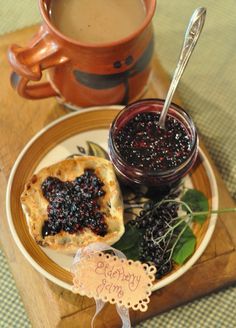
(83, 74)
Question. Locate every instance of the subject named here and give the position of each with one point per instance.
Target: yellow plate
(59, 140)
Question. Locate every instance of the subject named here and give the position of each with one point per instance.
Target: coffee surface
(97, 21)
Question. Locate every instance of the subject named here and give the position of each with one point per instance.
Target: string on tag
(98, 247)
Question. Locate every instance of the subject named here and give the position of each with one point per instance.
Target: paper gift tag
(111, 279)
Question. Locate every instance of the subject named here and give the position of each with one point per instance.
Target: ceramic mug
(81, 74)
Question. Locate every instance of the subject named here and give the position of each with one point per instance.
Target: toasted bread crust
(34, 204)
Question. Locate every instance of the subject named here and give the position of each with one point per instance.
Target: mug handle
(28, 64)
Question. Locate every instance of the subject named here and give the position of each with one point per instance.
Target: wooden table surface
(51, 306)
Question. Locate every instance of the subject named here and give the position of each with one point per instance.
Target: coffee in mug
(97, 21)
(87, 69)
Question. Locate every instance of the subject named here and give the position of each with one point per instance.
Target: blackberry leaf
(198, 202)
(185, 246)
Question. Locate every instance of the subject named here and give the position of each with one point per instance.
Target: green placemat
(215, 311)
(12, 312)
(208, 92)
(18, 14)
(208, 86)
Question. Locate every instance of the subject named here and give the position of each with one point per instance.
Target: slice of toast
(35, 205)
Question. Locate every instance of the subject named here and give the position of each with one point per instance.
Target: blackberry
(154, 220)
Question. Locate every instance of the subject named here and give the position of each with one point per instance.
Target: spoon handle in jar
(191, 36)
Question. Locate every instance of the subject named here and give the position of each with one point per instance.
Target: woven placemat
(18, 14)
(207, 90)
(208, 312)
(12, 312)
(208, 86)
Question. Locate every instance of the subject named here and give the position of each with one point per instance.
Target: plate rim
(207, 237)
(165, 281)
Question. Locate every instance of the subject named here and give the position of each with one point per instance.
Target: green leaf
(198, 202)
(129, 243)
(132, 253)
(183, 252)
(130, 237)
(185, 246)
(96, 150)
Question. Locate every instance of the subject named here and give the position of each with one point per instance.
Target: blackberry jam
(143, 153)
(74, 205)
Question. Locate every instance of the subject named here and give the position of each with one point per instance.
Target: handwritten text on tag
(115, 280)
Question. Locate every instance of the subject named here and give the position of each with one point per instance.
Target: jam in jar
(145, 154)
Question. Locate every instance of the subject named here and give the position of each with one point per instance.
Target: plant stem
(180, 202)
(224, 210)
(172, 228)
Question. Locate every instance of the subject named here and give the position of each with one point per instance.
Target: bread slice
(35, 205)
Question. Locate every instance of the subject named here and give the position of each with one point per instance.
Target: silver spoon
(190, 39)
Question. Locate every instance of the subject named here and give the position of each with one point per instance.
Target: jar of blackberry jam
(143, 153)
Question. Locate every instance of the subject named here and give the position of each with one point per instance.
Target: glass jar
(130, 173)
